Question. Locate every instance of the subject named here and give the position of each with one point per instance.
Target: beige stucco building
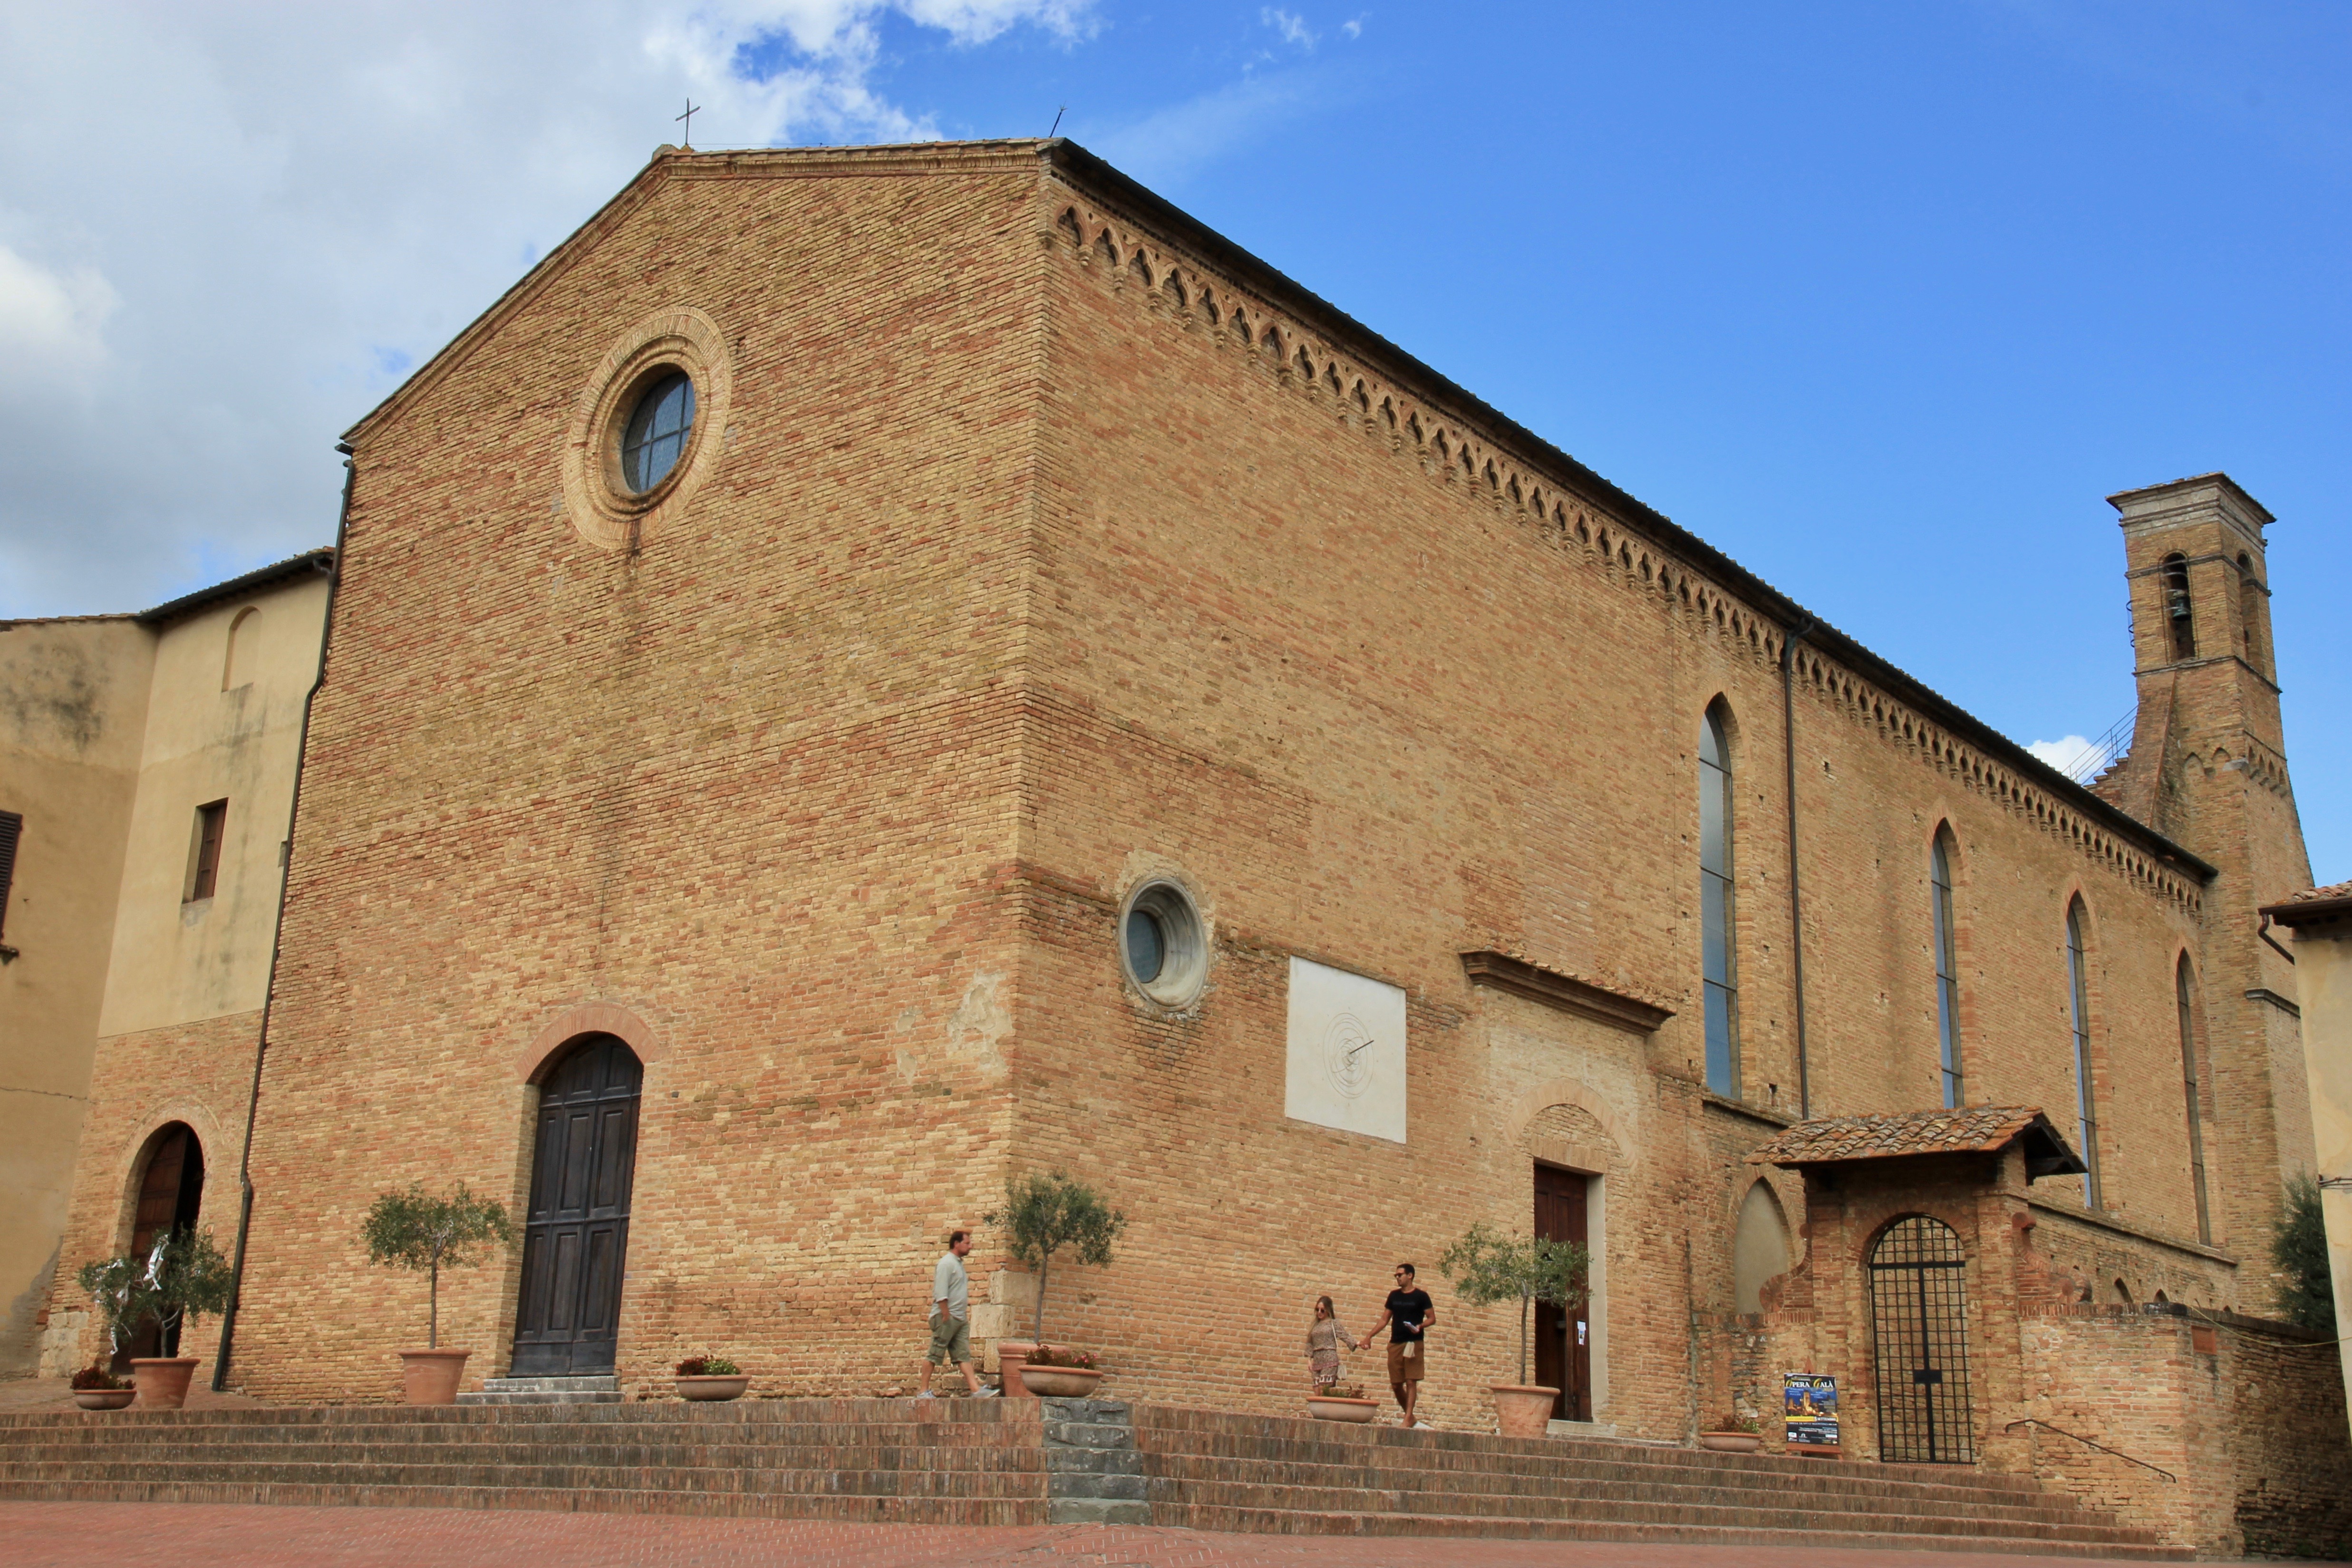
(147, 765)
(2321, 921)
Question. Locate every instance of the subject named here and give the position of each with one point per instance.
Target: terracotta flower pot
(1322, 1407)
(103, 1398)
(1060, 1381)
(431, 1377)
(1011, 1354)
(714, 1387)
(162, 1381)
(1523, 1409)
(1732, 1442)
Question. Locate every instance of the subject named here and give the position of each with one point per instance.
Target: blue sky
(1882, 300)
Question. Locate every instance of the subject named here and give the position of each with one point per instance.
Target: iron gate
(1919, 1323)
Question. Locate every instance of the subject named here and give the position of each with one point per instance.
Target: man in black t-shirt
(1407, 1314)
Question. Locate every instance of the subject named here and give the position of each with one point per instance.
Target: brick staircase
(1210, 1471)
(963, 1462)
(955, 1461)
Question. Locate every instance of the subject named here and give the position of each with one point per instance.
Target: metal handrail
(2102, 1447)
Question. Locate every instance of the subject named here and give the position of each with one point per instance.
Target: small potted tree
(183, 1275)
(701, 1377)
(1488, 1267)
(413, 1230)
(1044, 1216)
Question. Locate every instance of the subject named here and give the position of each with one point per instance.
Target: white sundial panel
(1346, 1065)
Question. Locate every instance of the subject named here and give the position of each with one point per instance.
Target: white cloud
(1292, 28)
(1354, 26)
(231, 229)
(2066, 755)
(51, 325)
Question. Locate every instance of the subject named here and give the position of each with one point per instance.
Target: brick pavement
(193, 1535)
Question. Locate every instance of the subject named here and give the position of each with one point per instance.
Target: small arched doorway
(577, 1231)
(1920, 1329)
(171, 1194)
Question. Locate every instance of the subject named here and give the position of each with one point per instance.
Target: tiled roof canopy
(2313, 904)
(1977, 1130)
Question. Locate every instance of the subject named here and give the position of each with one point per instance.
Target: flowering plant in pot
(1341, 1401)
(1057, 1372)
(703, 1377)
(415, 1231)
(1044, 1216)
(1488, 1267)
(1735, 1434)
(95, 1388)
(183, 1275)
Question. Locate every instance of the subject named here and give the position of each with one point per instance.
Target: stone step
(1676, 1510)
(1027, 1461)
(583, 1390)
(1413, 1485)
(1608, 1463)
(886, 1509)
(698, 1481)
(1276, 1521)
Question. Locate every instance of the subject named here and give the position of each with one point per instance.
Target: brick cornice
(1566, 993)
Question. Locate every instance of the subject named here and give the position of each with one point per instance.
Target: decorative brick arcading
(1451, 451)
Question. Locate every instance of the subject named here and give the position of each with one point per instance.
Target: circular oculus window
(1163, 944)
(657, 432)
(640, 443)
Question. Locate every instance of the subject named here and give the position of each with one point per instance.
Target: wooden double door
(1564, 1339)
(171, 1195)
(576, 1233)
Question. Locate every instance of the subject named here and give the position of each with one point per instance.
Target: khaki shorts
(1404, 1368)
(951, 1341)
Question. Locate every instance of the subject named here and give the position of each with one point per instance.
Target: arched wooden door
(171, 1194)
(1919, 1330)
(576, 1233)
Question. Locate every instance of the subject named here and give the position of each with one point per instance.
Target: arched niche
(1760, 1246)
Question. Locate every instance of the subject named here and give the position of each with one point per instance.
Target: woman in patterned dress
(1324, 1338)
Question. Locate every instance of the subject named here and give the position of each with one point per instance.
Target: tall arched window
(1719, 970)
(1948, 968)
(2078, 995)
(2179, 615)
(2184, 991)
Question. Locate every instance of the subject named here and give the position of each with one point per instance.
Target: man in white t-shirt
(951, 1318)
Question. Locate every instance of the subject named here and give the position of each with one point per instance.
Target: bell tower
(2208, 769)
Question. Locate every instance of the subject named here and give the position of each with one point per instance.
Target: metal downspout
(1796, 895)
(277, 937)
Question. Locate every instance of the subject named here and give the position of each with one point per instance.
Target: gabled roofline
(1083, 169)
(310, 563)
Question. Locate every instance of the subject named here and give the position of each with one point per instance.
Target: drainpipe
(1795, 896)
(276, 938)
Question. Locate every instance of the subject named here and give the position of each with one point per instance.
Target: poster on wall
(1810, 1407)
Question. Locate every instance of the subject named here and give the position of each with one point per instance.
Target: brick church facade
(1067, 679)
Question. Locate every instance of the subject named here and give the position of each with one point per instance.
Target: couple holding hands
(1407, 1315)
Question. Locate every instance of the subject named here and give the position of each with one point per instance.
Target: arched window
(2249, 605)
(2184, 990)
(237, 663)
(2078, 995)
(1718, 970)
(1948, 968)
(2179, 615)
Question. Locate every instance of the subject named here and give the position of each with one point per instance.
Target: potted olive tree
(1045, 1215)
(1487, 1266)
(413, 1230)
(183, 1275)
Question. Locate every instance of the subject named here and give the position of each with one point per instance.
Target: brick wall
(200, 1074)
(1017, 580)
